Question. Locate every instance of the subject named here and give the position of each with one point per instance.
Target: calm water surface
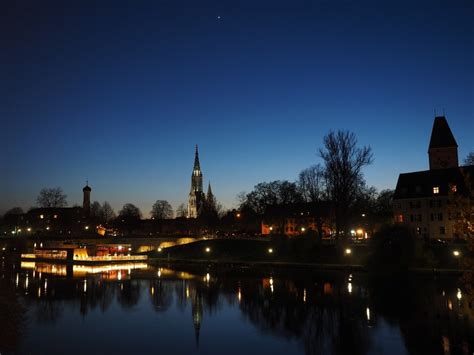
(207, 310)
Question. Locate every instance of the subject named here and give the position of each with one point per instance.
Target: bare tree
(129, 217)
(161, 210)
(312, 183)
(96, 210)
(270, 193)
(108, 212)
(469, 160)
(312, 186)
(343, 166)
(181, 211)
(51, 197)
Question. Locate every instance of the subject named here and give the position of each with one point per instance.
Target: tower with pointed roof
(443, 149)
(210, 199)
(86, 201)
(196, 195)
(423, 200)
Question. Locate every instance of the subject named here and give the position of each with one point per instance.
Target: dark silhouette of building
(54, 221)
(443, 149)
(297, 218)
(86, 202)
(422, 199)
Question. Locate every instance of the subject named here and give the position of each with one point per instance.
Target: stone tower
(86, 202)
(196, 195)
(443, 149)
(210, 199)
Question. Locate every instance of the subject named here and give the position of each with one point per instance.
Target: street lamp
(456, 253)
(270, 250)
(348, 251)
(208, 250)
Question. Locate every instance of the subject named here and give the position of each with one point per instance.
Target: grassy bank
(263, 252)
(308, 253)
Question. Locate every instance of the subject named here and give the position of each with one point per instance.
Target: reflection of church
(197, 198)
(196, 309)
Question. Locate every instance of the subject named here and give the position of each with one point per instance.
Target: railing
(28, 256)
(113, 258)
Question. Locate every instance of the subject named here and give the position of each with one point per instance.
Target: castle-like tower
(443, 149)
(86, 202)
(196, 195)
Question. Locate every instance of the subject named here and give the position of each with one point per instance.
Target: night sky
(120, 92)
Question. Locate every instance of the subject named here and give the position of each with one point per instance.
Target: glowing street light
(348, 251)
(270, 250)
(47, 228)
(86, 227)
(159, 250)
(456, 253)
(303, 229)
(208, 250)
(28, 229)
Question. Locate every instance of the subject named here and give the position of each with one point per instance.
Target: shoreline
(290, 264)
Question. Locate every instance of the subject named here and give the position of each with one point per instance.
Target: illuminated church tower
(196, 195)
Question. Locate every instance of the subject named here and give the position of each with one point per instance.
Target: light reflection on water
(136, 308)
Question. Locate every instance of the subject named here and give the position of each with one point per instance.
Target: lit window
(436, 190)
(454, 188)
(399, 218)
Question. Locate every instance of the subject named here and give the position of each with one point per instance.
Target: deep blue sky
(119, 92)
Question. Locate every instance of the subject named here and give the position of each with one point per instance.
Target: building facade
(425, 200)
(297, 219)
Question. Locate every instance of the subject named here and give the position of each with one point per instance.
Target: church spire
(209, 191)
(196, 159)
(196, 195)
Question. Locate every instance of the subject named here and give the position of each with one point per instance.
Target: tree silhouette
(107, 212)
(129, 217)
(343, 167)
(51, 197)
(469, 160)
(162, 210)
(181, 211)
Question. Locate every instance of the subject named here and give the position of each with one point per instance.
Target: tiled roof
(421, 183)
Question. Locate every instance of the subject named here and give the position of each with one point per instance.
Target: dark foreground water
(132, 309)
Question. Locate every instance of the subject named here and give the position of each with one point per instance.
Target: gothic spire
(196, 160)
(209, 190)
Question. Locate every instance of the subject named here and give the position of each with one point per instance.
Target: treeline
(339, 180)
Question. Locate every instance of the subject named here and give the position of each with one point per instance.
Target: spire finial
(196, 159)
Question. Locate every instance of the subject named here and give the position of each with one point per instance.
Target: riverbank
(297, 254)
